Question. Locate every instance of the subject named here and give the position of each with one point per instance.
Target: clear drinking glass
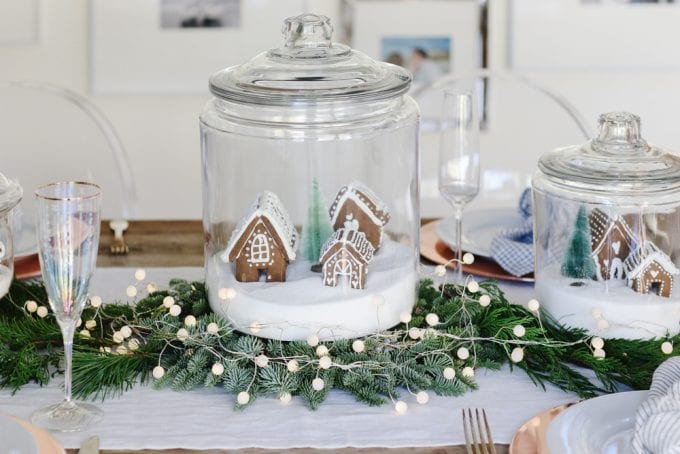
(459, 159)
(68, 240)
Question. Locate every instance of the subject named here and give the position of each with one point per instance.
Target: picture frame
(569, 35)
(132, 53)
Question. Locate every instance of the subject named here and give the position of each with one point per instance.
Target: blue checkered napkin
(657, 422)
(513, 248)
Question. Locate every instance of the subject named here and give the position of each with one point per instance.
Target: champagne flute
(459, 160)
(68, 240)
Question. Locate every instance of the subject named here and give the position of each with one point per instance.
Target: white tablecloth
(144, 418)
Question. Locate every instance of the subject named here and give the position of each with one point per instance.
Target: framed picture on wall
(172, 46)
(593, 35)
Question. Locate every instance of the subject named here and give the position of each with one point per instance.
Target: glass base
(67, 416)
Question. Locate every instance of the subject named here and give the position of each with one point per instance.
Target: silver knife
(90, 446)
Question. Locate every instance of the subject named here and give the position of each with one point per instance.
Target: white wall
(160, 132)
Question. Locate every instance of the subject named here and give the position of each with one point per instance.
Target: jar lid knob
(308, 30)
(620, 133)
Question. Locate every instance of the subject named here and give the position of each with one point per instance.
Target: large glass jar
(607, 233)
(310, 190)
(10, 195)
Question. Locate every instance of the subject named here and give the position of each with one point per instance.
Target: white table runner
(144, 418)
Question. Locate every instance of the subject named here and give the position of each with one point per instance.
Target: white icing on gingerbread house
(263, 242)
(364, 206)
(612, 240)
(346, 254)
(648, 268)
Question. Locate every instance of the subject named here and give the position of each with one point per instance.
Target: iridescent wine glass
(459, 160)
(68, 240)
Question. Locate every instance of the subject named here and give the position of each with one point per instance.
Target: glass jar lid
(10, 194)
(617, 161)
(309, 69)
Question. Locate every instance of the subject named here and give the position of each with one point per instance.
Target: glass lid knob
(620, 133)
(308, 30)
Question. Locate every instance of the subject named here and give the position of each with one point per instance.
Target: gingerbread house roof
(365, 198)
(267, 205)
(641, 257)
(601, 226)
(352, 240)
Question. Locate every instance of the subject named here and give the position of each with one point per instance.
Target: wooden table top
(180, 243)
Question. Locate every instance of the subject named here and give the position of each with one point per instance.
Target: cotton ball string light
(414, 333)
(378, 299)
(603, 324)
(463, 353)
(321, 350)
(84, 333)
(401, 407)
(126, 331)
(533, 305)
(189, 321)
(285, 397)
(293, 366)
(91, 324)
(468, 372)
(158, 372)
(358, 346)
(140, 274)
(168, 302)
(212, 328)
(667, 348)
(133, 344)
(519, 331)
(227, 293)
(217, 369)
(96, 301)
(41, 311)
(449, 373)
(597, 342)
(118, 337)
(484, 300)
(440, 270)
(432, 319)
(312, 340)
(473, 286)
(318, 384)
(151, 287)
(599, 353)
(405, 317)
(182, 334)
(175, 310)
(31, 306)
(255, 327)
(122, 350)
(517, 354)
(79, 322)
(243, 398)
(422, 397)
(261, 361)
(325, 362)
(131, 291)
(468, 258)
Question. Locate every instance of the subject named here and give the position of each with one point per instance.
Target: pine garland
(453, 331)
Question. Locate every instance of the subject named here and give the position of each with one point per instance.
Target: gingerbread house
(346, 254)
(264, 242)
(649, 269)
(612, 240)
(359, 203)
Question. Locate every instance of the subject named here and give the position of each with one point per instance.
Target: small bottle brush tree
(578, 262)
(318, 227)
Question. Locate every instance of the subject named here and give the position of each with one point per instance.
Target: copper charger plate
(530, 438)
(432, 248)
(27, 267)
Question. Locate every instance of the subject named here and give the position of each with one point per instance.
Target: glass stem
(458, 214)
(67, 331)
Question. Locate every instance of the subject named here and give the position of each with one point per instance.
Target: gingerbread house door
(259, 250)
(342, 267)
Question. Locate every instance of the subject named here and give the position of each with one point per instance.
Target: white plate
(480, 227)
(604, 424)
(15, 438)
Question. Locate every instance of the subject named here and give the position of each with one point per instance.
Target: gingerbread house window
(259, 249)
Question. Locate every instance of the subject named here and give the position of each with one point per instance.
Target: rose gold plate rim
(530, 438)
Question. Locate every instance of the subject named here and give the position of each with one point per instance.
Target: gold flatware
(118, 246)
(477, 432)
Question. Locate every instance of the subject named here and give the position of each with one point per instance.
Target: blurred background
(120, 84)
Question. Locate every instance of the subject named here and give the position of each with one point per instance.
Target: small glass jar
(10, 195)
(607, 233)
(310, 190)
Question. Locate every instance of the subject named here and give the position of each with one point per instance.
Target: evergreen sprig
(413, 357)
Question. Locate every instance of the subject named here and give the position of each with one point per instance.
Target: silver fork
(477, 436)
(118, 246)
